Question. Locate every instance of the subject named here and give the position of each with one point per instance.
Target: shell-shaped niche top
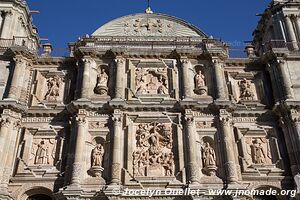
(147, 24)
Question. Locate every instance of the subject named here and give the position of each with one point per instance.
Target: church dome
(149, 24)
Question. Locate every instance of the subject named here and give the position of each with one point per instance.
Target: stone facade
(148, 101)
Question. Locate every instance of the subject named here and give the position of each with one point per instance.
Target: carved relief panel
(46, 149)
(152, 78)
(259, 149)
(248, 87)
(153, 155)
(49, 87)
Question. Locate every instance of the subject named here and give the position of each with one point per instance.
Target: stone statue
(209, 155)
(209, 159)
(53, 88)
(97, 155)
(246, 90)
(102, 80)
(200, 86)
(258, 153)
(42, 154)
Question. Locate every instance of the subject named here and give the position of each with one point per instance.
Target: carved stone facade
(148, 101)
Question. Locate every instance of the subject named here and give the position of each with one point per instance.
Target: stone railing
(17, 41)
(280, 44)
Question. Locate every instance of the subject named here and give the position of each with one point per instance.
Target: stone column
(193, 166)
(290, 32)
(120, 74)
(5, 124)
(11, 143)
(14, 90)
(7, 25)
(283, 123)
(228, 144)
(187, 78)
(117, 150)
(286, 82)
(1, 21)
(85, 84)
(297, 24)
(295, 137)
(79, 150)
(220, 80)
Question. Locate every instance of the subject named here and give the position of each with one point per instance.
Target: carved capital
(189, 120)
(17, 125)
(120, 61)
(88, 60)
(5, 122)
(185, 62)
(226, 121)
(81, 121)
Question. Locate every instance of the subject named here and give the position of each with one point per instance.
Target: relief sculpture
(54, 85)
(43, 152)
(246, 91)
(151, 81)
(153, 155)
(259, 151)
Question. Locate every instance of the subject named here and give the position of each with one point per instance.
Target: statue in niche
(200, 86)
(97, 158)
(42, 154)
(153, 155)
(97, 155)
(258, 153)
(53, 88)
(246, 90)
(102, 80)
(209, 159)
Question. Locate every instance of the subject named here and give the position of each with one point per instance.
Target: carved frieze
(204, 125)
(97, 125)
(153, 155)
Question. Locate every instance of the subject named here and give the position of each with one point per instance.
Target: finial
(148, 10)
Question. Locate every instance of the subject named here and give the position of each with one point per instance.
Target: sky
(63, 21)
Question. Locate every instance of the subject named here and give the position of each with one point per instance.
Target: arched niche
(37, 193)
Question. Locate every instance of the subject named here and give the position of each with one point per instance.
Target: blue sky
(63, 21)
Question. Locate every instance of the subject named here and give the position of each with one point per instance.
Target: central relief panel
(153, 156)
(152, 79)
